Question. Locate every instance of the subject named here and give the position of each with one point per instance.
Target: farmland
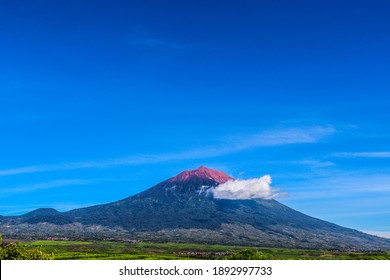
(106, 250)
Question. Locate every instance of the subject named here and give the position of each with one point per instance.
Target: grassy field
(104, 250)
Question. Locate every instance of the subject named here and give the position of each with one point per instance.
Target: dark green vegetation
(183, 210)
(18, 251)
(104, 250)
(249, 254)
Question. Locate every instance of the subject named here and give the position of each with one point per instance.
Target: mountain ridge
(180, 210)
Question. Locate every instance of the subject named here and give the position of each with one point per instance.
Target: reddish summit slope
(182, 210)
(200, 173)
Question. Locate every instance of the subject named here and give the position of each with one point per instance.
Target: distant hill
(182, 209)
(41, 212)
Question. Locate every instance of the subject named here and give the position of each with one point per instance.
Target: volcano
(183, 209)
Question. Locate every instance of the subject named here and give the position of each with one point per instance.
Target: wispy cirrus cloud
(345, 185)
(313, 163)
(279, 137)
(41, 186)
(362, 154)
(155, 43)
(142, 37)
(269, 138)
(310, 163)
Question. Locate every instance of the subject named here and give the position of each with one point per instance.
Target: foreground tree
(249, 254)
(18, 251)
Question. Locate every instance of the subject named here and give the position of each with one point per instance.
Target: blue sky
(100, 100)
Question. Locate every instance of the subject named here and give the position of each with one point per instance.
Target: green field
(104, 250)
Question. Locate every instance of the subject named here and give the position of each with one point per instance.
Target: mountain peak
(42, 211)
(203, 173)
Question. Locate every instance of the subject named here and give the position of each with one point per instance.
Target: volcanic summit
(179, 210)
(201, 173)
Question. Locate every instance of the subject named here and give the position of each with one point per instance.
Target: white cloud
(363, 155)
(312, 164)
(279, 137)
(276, 137)
(41, 186)
(23, 170)
(246, 189)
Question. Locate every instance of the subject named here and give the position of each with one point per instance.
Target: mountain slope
(182, 209)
